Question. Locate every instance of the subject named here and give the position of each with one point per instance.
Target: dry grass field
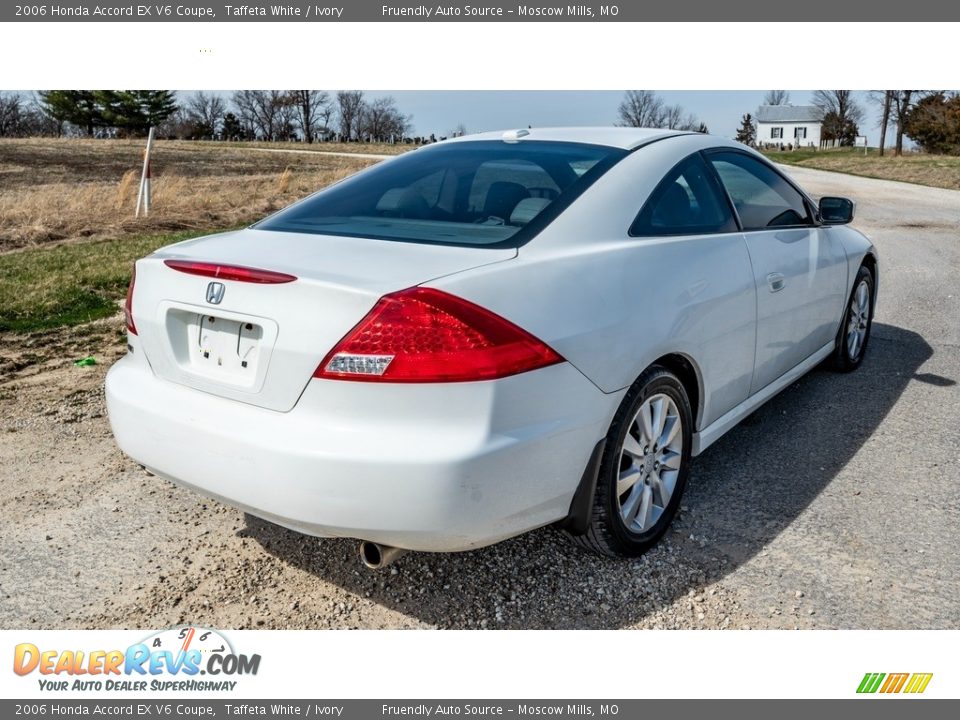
(68, 235)
(53, 190)
(942, 171)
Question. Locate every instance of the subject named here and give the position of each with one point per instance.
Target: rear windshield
(486, 193)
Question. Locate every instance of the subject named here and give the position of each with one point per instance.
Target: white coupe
(489, 335)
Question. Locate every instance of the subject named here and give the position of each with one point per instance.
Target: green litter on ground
(85, 362)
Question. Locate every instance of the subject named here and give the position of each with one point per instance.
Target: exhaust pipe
(376, 556)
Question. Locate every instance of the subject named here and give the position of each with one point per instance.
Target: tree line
(307, 115)
(931, 118)
(644, 108)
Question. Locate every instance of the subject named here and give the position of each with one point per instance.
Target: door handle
(776, 281)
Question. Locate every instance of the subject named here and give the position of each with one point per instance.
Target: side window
(687, 202)
(762, 197)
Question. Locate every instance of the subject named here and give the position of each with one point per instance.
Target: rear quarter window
(688, 201)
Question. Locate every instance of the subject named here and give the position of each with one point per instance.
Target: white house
(797, 125)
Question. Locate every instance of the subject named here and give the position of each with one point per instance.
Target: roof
(619, 137)
(789, 113)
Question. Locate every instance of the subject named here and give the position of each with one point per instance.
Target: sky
(441, 111)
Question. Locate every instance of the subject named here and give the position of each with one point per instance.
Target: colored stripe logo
(912, 683)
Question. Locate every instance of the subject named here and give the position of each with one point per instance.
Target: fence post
(143, 195)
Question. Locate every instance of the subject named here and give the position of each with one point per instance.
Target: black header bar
(854, 11)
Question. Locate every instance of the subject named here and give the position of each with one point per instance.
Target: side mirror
(836, 210)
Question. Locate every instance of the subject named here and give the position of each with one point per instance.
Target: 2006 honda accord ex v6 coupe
(488, 335)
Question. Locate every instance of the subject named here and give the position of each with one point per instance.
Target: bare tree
(841, 102)
(206, 111)
(776, 97)
(350, 109)
(644, 108)
(641, 108)
(896, 107)
(901, 100)
(267, 114)
(885, 119)
(22, 116)
(182, 125)
(287, 117)
(672, 117)
(693, 124)
(883, 99)
(382, 120)
(245, 108)
(11, 111)
(313, 112)
(841, 114)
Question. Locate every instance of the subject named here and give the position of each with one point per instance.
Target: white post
(143, 196)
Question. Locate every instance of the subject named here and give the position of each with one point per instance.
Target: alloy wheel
(859, 319)
(650, 459)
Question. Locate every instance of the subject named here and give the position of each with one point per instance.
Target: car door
(800, 267)
(700, 248)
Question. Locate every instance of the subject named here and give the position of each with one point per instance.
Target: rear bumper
(423, 467)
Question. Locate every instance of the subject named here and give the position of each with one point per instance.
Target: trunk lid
(261, 343)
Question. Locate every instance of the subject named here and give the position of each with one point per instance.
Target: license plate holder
(224, 348)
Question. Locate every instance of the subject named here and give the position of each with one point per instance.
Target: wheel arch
(688, 372)
(581, 506)
(870, 262)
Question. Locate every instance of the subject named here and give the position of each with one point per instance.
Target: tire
(854, 332)
(611, 531)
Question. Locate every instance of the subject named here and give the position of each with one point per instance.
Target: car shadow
(774, 464)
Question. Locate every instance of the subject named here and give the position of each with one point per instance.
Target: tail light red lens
(423, 335)
(128, 305)
(229, 272)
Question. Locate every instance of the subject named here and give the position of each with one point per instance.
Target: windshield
(487, 193)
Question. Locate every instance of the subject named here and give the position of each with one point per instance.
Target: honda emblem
(215, 293)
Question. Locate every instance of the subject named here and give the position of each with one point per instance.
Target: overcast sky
(440, 112)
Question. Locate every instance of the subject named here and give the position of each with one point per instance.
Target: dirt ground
(835, 505)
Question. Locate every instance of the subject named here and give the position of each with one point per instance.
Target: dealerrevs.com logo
(892, 683)
(173, 659)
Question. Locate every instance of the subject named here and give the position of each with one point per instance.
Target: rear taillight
(128, 305)
(425, 335)
(229, 272)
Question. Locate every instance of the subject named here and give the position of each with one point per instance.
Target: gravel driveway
(835, 505)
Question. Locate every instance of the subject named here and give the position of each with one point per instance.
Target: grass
(942, 171)
(52, 190)
(68, 236)
(70, 284)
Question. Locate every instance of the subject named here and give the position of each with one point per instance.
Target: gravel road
(834, 506)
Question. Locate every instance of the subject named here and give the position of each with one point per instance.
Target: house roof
(788, 113)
